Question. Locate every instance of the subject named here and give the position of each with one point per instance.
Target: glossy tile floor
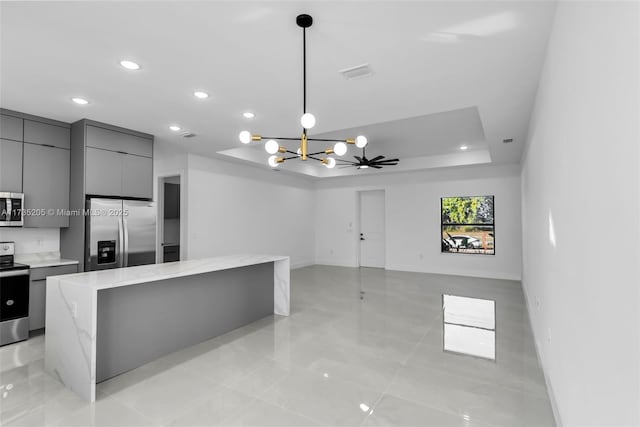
(337, 360)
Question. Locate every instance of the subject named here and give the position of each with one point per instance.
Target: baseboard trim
(552, 396)
(334, 263)
(478, 274)
(301, 264)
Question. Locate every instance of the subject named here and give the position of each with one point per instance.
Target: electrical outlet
(331, 251)
(421, 256)
(74, 309)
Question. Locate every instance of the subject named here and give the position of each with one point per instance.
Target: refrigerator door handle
(120, 242)
(125, 254)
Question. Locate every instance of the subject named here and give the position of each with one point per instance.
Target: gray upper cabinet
(10, 128)
(137, 176)
(10, 166)
(35, 160)
(46, 185)
(118, 162)
(112, 140)
(46, 134)
(103, 172)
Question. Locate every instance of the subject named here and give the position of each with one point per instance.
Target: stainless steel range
(14, 297)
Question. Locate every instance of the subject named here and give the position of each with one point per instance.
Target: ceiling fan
(363, 163)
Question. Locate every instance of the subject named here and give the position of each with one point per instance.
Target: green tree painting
(467, 210)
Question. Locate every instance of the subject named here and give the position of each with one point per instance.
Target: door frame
(359, 224)
(159, 190)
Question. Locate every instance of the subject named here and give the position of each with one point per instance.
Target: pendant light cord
(304, 70)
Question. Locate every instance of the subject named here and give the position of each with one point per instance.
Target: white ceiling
(445, 73)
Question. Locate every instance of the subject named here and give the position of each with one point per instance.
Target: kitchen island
(102, 323)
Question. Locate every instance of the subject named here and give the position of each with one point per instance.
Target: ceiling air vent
(507, 141)
(188, 134)
(357, 72)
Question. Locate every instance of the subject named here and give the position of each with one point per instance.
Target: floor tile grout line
(395, 375)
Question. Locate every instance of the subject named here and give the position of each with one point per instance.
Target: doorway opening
(170, 210)
(372, 228)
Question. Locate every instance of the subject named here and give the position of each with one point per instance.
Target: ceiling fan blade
(391, 160)
(386, 162)
(376, 166)
(358, 158)
(345, 166)
(375, 159)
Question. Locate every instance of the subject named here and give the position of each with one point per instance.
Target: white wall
(233, 208)
(581, 170)
(32, 240)
(413, 220)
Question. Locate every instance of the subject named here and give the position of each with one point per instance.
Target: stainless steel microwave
(11, 209)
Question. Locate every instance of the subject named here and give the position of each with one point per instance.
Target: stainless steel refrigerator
(119, 233)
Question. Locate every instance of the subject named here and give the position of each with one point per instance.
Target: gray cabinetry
(137, 176)
(114, 140)
(35, 160)
(103, 172)
(46, 134)
(10, 127)
(10, 166)
(111, 173)
(46, 185)
(118, 163)
(106, 160)
(38, 292)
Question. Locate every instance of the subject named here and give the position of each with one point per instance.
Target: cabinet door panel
(40, 273)
(11, 128)
(106, 139)
(137, 179)
(46, 184)
(103, 172)
(10, 166)
(45, 134)
(37, 304)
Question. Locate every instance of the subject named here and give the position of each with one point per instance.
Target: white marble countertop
(117, 277)
(72, 308)
(43, 259)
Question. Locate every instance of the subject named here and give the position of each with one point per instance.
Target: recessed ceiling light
(80, 101)
(200, 94)
(248, 115)
(175, 128)
(129, 65)
(463, 147)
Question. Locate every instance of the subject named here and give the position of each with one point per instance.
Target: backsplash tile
(32, 240)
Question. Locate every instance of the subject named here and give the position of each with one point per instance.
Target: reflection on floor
(469, 326)
(337, 361)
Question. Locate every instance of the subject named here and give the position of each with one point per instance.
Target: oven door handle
(13, 273)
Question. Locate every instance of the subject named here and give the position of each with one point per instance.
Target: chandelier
(308, 121)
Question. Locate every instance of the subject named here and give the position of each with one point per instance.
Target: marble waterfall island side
(102, 323)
